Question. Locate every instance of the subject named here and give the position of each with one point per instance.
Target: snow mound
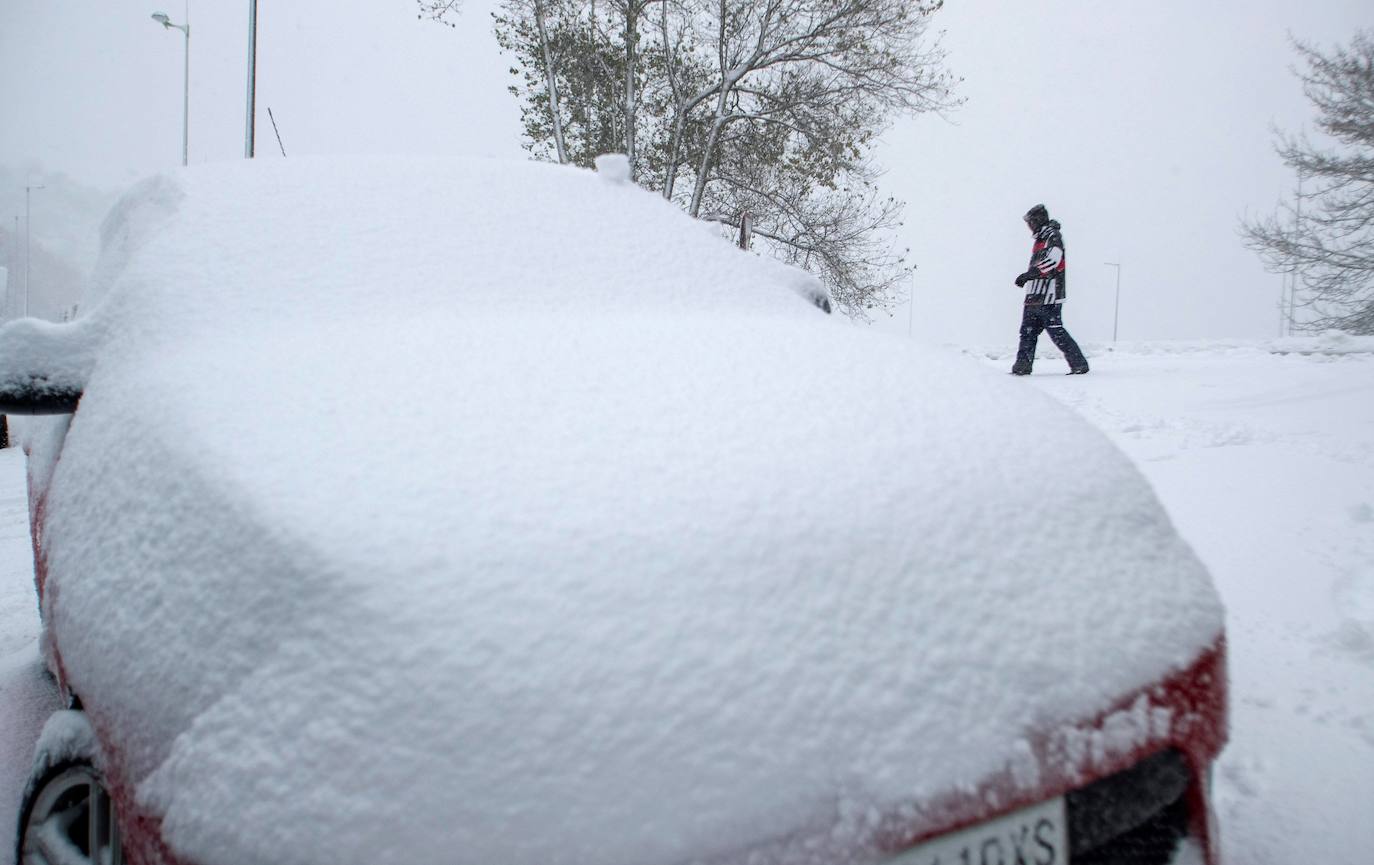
(67, 735)
(614, 167)
(451, 506)
(41, 358)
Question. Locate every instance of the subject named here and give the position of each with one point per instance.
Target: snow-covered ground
(27, 696)
(1264, 457)
(1263, 454)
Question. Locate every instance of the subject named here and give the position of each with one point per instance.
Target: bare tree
(840, 233)
(538, 28)
(797, 92)
(439, 10)
(1326, 237)
(803, 64)
(734, 107)
(574, 76)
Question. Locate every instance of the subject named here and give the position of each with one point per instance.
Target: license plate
(1037, 835)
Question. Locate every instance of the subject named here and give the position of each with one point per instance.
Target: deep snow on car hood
(451, 511)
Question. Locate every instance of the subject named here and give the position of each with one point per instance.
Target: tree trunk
(632, 10)
(551, 81)
(670, 174)
(709, 154)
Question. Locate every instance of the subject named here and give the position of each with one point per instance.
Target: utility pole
(252, 77)
(161, 18)
(28, 238)
(186, 98)
(14, 255)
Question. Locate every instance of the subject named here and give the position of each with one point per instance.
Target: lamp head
(161, 18)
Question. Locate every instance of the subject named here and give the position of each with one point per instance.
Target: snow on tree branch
(730, 106)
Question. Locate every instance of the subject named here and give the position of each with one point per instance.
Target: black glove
(1021, 279)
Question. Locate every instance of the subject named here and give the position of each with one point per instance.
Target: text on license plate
(1037, 835)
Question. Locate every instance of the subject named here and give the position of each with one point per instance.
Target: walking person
(1044, 306)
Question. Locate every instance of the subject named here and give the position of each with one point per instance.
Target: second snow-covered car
(446, 512)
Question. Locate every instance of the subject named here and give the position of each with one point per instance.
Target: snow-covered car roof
(423, 511)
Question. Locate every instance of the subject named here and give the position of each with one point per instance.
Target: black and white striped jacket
(1045, 277)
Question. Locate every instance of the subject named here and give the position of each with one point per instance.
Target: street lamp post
(28, 245)
(161, 18)
(1116, 309)
(249, 131)
(13, 289)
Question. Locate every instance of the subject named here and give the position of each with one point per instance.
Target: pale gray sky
(94, 87)
(1145, 127)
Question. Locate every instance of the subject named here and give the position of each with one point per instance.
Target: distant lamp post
(1116, 309)
(911, 301)
(28, 238)
(161, 18)
(12, 290)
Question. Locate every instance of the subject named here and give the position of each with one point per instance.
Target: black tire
(71, 797)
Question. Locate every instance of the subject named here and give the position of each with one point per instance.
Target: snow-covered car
(445, 511)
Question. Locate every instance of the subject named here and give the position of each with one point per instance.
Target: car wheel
(69, 819)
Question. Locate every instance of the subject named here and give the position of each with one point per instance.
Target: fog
(1145, 128)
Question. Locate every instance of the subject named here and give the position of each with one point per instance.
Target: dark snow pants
(1036, 317)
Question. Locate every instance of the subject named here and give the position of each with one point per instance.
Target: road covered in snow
(1263, 455)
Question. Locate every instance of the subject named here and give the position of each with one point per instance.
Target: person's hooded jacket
(1044, 280)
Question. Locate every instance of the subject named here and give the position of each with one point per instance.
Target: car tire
(68, 817)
